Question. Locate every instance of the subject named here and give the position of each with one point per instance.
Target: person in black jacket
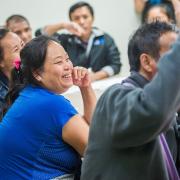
(87, 46)
(127, 133)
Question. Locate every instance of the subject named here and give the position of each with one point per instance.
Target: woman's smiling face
(56, 75)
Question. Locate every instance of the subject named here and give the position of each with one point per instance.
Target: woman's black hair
(3, 32)
(166, 6)
(32, 58)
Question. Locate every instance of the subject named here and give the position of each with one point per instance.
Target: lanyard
(172, 171)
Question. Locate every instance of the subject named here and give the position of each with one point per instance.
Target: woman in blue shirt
(42, 136)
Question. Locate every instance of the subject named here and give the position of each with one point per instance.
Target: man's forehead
(15, 25)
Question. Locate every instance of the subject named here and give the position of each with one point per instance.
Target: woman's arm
(139, 5)
(76, 130)
(72, 27)
(176, 5)
(89, 102)
(76, 133)
(82, 79)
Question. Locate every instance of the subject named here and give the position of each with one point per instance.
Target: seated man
(10, 46)
(126, 138)
(87, 46)
(20, 25)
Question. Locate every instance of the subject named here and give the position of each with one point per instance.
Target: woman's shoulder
(45, 97)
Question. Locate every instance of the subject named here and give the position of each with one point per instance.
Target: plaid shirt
(3, 90)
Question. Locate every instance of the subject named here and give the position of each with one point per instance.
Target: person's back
(118, 150)
(131, 118)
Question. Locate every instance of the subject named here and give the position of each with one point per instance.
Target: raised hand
(74, 28)
(81, 77)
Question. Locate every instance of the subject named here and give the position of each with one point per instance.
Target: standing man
(20, 25)
(87, 46)
(126, 138)
(10, 46)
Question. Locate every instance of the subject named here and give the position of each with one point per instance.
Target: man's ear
(37, 75)
(145, 62)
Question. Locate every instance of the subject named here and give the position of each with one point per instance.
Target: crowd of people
(131, 132)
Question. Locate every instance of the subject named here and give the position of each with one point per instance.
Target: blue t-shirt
(31, 144)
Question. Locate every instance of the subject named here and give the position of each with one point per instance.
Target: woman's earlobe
(148, 69)
(37, 76)
(1, 64)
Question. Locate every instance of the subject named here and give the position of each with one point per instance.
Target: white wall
(116, 17)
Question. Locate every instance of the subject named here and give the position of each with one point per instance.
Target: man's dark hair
(146, 40)
(79, 5)
(3, 32)
(16, 18)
